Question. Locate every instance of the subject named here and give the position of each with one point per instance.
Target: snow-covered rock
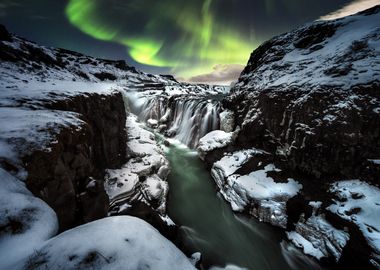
(228, 267)
(25, 221)
(310, 99)
(317, 237)
(110, 243)
(310, 93)
(341, 53)
(214, 140)
(255, 192)
(60, 116)
(143, 177)
(359, 203)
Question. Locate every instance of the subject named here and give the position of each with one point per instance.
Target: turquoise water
(210, 226)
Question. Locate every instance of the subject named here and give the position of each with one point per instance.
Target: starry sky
(194, 40)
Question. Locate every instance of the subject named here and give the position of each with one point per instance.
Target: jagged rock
(60, 176)
(4, 34)
(227, 121)
(317, 237)
(143, 177)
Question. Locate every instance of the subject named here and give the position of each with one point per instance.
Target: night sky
(196, 40)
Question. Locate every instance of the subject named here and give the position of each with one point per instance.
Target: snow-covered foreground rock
(110, 243)
(25, 221)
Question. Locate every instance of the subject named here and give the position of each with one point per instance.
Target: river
(212, 228)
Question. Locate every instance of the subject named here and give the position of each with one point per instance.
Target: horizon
(208, 42)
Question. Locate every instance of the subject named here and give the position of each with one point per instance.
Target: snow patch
(358, 202)
(133, 244)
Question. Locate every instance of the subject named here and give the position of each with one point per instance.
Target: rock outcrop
(69, 177)
(63, 129)
(310, 99)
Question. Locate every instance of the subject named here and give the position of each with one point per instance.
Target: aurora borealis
(187, 38)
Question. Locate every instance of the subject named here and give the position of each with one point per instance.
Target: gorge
(279, 171)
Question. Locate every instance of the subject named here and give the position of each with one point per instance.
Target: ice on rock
(307, 247)
(375, 161)
(133, 244)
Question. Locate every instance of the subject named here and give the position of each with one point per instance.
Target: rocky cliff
(306, 109)
(64, 129)
(70, 176)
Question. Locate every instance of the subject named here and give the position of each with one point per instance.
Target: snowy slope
(34, 79)
(110, 243)
(340, 53)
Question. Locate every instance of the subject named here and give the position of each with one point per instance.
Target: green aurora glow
(189, 37)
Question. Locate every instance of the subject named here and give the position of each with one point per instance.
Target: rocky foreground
(305, 151)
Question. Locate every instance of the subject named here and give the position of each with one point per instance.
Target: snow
(304, 244)
(228, 267)
(259, 186)
(232, 162)
(256, 191)
(33, 221)
(139, 178)
(214, 140)
(25, 130)
(152, 122)
(27, 125)
(133, 244)
(309, 69)
(358, 202)
(195, 258)
(317, 233)
(375, 161)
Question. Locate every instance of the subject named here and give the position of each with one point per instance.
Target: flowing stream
(210, 226)
(207, 221)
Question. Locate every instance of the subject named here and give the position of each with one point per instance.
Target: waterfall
(186, 118)
(192, 119)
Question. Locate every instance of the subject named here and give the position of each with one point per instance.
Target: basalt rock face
(311, 100)
(312, 97)
(70, 176)
(323, 136)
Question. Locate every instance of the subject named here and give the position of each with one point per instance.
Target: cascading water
(192, 119)
(186, 118)
(207, 222)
